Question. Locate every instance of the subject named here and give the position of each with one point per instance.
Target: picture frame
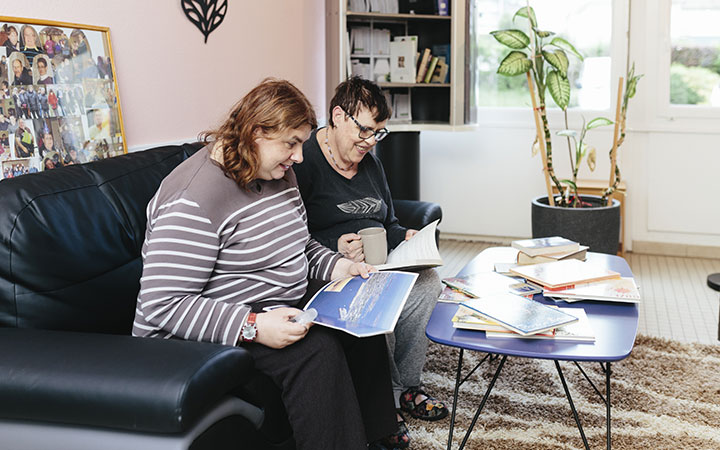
(59, 97)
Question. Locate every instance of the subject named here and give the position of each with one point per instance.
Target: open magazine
(363, 307)
(420, 251)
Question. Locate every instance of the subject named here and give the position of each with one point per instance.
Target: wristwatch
(248, 332)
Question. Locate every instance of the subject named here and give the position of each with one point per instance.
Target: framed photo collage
(58, 96)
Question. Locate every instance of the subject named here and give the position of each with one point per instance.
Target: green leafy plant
(545, 58)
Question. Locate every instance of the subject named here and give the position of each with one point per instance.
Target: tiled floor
(677, 303)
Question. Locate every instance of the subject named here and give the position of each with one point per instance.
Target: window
(695, 53)
(587, 24)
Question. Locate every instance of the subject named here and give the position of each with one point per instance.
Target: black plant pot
(596, 226)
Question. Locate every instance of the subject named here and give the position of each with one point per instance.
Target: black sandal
(428, 409)
(400, 439)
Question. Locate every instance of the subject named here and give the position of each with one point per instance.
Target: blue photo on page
(363, 307)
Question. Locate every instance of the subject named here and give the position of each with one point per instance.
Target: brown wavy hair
(272, 107)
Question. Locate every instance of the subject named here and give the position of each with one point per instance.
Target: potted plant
(544, 59)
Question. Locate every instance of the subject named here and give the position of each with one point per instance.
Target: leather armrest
(416, 214)
(121, 382)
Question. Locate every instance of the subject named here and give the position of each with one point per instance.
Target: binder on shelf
(381, 41)
(401, 108)
(381, 71)
(402, 66)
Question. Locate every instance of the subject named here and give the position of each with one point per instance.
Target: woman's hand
(410, 233)
(350, 246)
(346, 268)
(275, 330)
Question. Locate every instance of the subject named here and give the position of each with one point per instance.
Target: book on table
(450, 295)
(485, 283)
(519, 314)
(467, 319)
(623, 290)
(563, 274)
(418, 252)
(581, 254)
(581, 331)
(363, 306)
(545, 245)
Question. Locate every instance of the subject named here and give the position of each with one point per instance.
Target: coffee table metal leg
(572, 405)
(482, 404)
(607, 403)
(455, 397)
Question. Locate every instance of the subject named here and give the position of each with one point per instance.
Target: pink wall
(172, 85)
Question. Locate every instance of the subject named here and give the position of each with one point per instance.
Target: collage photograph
(58, 98)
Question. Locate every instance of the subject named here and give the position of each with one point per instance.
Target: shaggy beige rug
(665, 395)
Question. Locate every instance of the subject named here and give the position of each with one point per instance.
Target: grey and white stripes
(211, 249)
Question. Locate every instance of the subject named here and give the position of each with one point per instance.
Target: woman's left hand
(347, 268)
(410, 233)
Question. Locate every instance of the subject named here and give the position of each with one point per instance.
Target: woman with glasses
(344, 189)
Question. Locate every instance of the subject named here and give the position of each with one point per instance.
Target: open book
(363, 307)
(420, 251)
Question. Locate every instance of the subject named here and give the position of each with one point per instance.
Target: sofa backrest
(70, 241)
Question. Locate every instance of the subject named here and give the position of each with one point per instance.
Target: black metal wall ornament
(205, 14)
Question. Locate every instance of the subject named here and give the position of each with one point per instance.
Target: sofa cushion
(148, 385)
(70, 241)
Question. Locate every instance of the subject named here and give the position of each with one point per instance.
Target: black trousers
(336, 388)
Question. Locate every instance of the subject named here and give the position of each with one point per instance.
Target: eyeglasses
(366, 133)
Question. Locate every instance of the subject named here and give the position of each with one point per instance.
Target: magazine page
(420, 251)
(363, 307)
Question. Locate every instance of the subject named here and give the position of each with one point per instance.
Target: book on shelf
(581, 254)
(423, 66)
(417, 252)
(402, 61)
(580, 331)
(363, 306)
(545, 245)
(443, 7)
(442, 50)
(467, 319)
(623, 290)
(519, 314)
(440, 72)
(565, 273)
(430, 69)
(487, 283)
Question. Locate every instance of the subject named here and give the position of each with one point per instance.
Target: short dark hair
(355, 93)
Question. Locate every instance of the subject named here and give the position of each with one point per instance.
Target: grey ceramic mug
(374, 240)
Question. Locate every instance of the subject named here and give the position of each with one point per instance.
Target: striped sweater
(212, 248)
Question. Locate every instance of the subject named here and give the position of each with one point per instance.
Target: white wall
(172, 85)
(485, 179)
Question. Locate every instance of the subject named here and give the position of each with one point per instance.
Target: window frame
(521, 117)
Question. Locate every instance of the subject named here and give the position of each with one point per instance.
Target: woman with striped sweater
(226, 259)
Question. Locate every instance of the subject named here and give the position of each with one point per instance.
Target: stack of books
(512, 316)
(499, 318)
(549, 249)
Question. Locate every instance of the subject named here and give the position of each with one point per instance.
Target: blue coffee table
(615, 326)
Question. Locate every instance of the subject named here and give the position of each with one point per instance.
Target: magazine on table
(580, 331)
(417, 252)
(622, 290)
(486, 283)
(519, 314)
(363, 306)
(564, 274)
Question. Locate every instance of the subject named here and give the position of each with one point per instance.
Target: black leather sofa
(71, 376)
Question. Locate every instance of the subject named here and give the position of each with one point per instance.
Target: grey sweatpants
(408, 344)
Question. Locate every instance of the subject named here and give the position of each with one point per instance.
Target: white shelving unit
(435, 106)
